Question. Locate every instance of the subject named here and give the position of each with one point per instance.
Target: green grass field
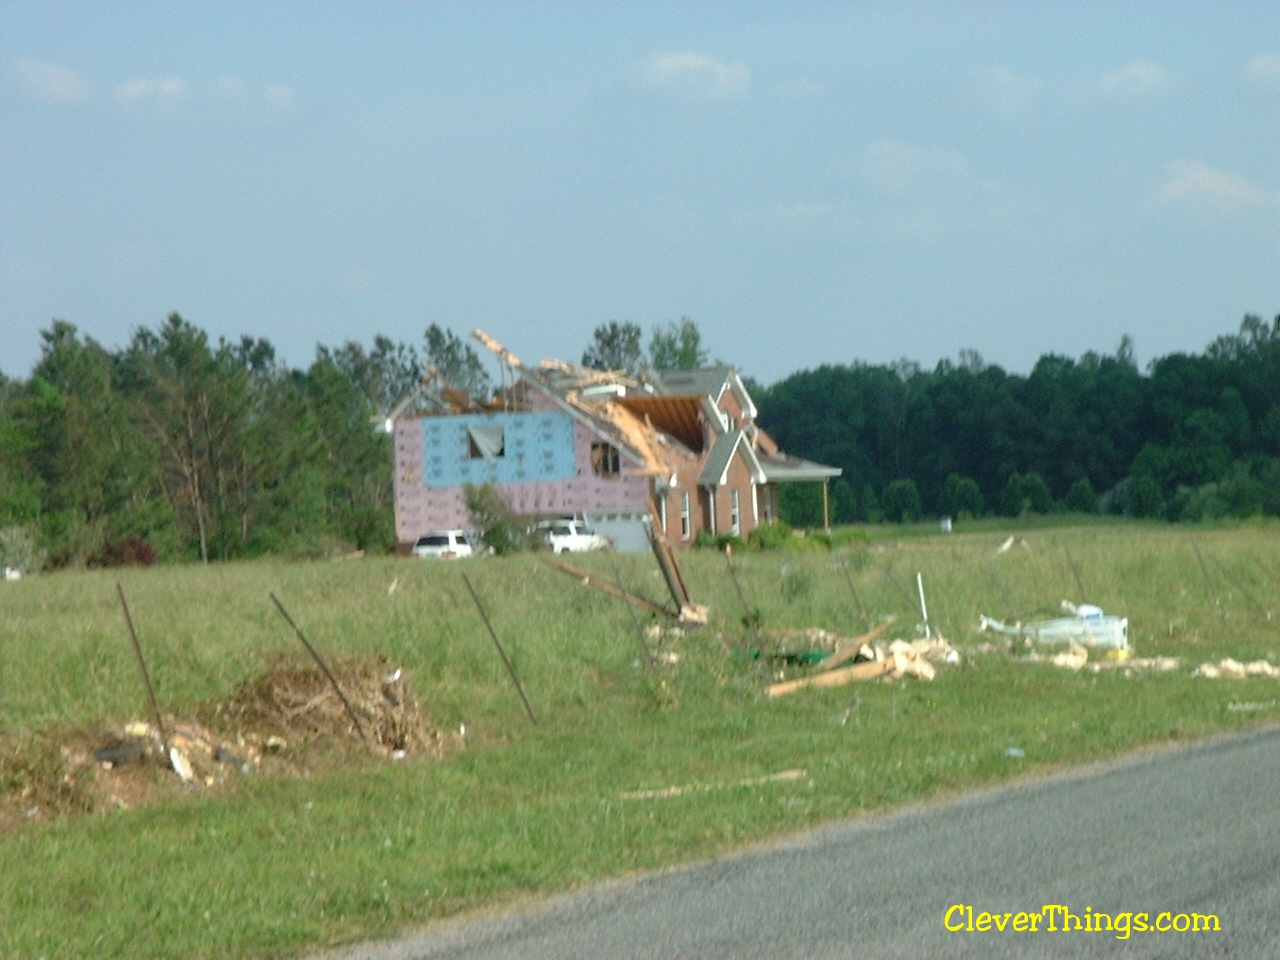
(356, 844)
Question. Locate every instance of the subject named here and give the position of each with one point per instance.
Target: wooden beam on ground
(591, 580)
(850, 650)
(871, 670)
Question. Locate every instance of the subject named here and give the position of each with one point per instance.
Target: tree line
(1196, 436)
(176, 447)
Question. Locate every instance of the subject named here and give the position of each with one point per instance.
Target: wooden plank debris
(591, 580)
(676, 791)
(691, 614)
(850, 650)
(868, 670)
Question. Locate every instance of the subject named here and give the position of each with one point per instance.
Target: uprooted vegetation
(287, 722)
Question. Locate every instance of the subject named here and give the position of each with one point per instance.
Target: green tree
(871, 511)
(194, 403)
(354, 459)
(500, 530)
(456, 361)
(98, 469)
(390, 371)
(1080, 497)
(962, 497)
(901, 501)
(614, 346)
(677, 346)
(20, 485)
(844, 506)
(800, 504)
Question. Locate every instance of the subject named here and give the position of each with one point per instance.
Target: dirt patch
(289, 722)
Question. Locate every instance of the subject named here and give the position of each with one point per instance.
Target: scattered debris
(1253, 706)
(782, 777)
(324, 668)
(1011, 542)
(1087, 625)
(847, 652)
(901, 658)
(1229, 669)
(288, 722)
(1076, 657)
(1015, 753)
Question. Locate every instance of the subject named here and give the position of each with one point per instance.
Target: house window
(662, 514)
(735, 513)
(605, 461)
(686, 521)
(485, 442)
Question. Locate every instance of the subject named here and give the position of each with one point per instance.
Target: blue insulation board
(536, 448)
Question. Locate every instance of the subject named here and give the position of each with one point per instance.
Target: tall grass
(279, 867)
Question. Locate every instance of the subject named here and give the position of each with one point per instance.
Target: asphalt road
(1187, 830)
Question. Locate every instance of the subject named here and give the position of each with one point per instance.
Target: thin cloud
(1006, 92)
(892, 166)
(279, 96)
(51, 82)
(695, 76)
(1198, 186)
(1264, 69)
(1137, 80)
(233, 88)
(167, 90)
(275, 95)
(799, 90)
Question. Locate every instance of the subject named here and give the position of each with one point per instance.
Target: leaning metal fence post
(502, 653)
(146, 677)
(333, 681)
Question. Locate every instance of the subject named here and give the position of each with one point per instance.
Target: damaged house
(676, 448)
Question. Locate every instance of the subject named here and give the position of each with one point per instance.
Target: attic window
(485, 442)
(605, 461)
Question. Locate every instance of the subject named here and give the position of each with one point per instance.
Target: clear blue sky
(809, 182)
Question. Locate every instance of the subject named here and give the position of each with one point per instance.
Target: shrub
(18, 550)
(128, 552)
(719, 541)
(901, 501)
(500, 529)
(771, 536)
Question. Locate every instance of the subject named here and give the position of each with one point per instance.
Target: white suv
(570, 536)
(443, 545)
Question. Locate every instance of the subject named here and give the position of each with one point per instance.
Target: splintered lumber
(871, 670)
(850, 650)
(593, 581)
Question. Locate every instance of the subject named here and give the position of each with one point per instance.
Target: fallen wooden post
(591, 580)
(871, 670)
(850, 650)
